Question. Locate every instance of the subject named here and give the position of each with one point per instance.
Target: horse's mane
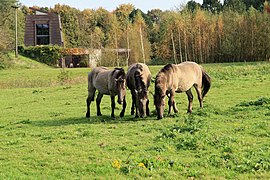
(162, 73)
(139, 83)
(162, 76)
(121, 72)
(166, 68)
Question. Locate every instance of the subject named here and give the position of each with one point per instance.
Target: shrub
(48, 54)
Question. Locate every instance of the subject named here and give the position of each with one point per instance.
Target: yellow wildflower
(116, 164)
(141, 165)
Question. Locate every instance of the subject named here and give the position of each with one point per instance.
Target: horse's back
(189, 68)
(187, 74)
(98, 78)
(96, 71)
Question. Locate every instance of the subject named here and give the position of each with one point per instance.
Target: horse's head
(142, 101)
(120, 86)
(159, 101)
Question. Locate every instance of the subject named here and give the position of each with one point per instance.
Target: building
(43, 28)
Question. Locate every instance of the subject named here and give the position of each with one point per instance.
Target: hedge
(48, 54)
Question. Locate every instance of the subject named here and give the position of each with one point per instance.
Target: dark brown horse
(178, 78)
(108, 82)
(138, 81)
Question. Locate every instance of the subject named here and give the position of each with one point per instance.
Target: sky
(110, 5)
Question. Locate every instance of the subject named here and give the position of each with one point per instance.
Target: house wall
(54, 24)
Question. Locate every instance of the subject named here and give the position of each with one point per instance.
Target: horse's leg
(199, 92)
(133, 102)
(98, 100)
(91, 95)
(88, 103)
(124, 107)
(112, 106)
(147, 108)
(190, 99)
(136, 108)
(174, 107)
(170, 103)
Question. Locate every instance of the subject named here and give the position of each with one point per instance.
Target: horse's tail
(206, 83)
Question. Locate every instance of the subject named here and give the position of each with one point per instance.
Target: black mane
(121, 72)
(162, 74)
(139, 81)
(166, 68)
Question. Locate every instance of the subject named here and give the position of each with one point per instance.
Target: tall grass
(44, 133)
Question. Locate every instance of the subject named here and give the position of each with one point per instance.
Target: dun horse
(178, 78)
(108, 82)
(138, 81)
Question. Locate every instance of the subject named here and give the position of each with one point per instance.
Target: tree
(213, 6)
(257, 4)
(7, 24)
(70, 23)
(192, 5)
(235, 5)
(122, 13)
(87, 23)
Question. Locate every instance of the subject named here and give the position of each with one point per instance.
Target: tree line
(237, 30)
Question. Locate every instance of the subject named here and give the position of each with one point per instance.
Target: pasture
(44, 133)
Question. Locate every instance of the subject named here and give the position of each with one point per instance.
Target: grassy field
(44, 134)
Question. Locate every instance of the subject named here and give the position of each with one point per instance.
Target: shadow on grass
(91, 120)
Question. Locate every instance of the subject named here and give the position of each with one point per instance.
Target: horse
(108, 82)
(177, 78)
(138, 81)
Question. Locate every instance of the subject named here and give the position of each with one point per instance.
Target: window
(42, 34)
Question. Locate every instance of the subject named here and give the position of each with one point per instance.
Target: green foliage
(235, 32)
(49, 55)
(64, 76)
(5, 61)
(260, 102)
(70, 23)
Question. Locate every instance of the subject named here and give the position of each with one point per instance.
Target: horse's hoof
(99, 114)
(87, 115)
(112, 116)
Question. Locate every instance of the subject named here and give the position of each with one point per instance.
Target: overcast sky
(110, 5)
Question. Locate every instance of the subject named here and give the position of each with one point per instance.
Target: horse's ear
(136, 91)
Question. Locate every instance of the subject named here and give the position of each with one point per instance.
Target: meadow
(44, 133)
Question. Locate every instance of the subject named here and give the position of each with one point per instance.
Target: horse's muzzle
(120, 102)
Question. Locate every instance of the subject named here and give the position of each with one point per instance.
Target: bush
(47, 54)
(5, 61)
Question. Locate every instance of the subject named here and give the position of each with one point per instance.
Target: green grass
(44, 134)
